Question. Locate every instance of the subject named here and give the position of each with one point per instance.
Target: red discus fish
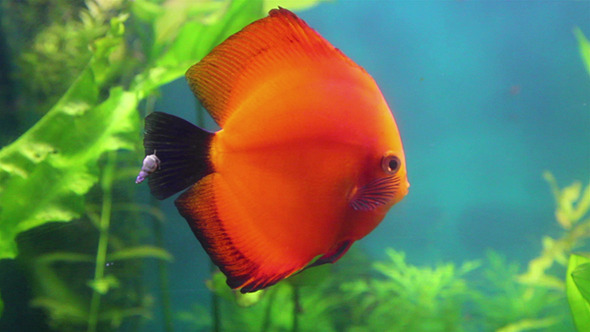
(308, 159)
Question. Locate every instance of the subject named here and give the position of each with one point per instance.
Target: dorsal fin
(237, 65)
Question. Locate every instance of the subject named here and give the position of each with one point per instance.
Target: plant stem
(215, 304)
(103, 239)
(268, 311)
(296, 308)
(163, 276)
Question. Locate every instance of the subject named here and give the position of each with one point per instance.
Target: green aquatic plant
(584, 46)
(404, 297)
(503, 304)
(291, 305)
(110, 295)
(578, 289)
(537, 298)
(572, 206)
(61, 164)
(309, 301)
(59, 52)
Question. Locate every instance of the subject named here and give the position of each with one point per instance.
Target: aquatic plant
(309, 301)
(392, 296)
(572, 204)
(535, 298)
(409, 298)
(578, 289)
(59, 52)
(504, 304)
(584, 46)
(512, 300)
(300, 303)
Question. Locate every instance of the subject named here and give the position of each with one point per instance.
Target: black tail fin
(183, 151)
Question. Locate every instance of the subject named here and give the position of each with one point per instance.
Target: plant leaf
(194, 40)
(140, 252)
(584, 45)
(578, 303)
(529, 324)
(291, 4)
(581, 277)
(45, 173)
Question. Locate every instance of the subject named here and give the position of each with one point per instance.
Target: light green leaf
(581, 277)
(73, 313)
(146, 10)
(577, 275)
(194, 40)
(103, 285)
(69, 257)
(140, 252)
(584, 45)
(529, 324)
(290, 4)
(45, 174)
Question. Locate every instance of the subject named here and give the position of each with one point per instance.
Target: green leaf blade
(56, 162)
(584, 46)
(578, 303)
(139, 252)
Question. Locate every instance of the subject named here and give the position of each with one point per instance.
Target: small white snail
(151, 163)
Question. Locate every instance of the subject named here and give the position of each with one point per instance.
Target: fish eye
(390, 163)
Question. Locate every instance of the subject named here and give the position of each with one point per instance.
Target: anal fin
(333, 255)
(248, 261)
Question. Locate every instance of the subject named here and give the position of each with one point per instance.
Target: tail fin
(183, 151)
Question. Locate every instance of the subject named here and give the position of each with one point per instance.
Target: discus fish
(307, 161)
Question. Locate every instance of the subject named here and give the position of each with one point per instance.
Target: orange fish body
(308, 159)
